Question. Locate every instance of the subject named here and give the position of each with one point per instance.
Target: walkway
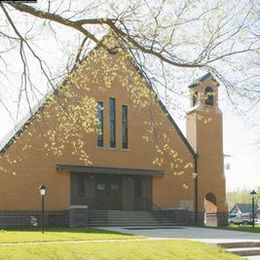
(208, 235)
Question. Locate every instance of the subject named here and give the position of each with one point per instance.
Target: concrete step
(136, 226)
(245, 251)
(243, 244)
(243, 248)
(133, 222)
(132, 219)
(136, 218)
(138, 221)
(128, 218)
(125, 212)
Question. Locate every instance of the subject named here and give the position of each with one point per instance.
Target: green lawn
(150, 249)
(60, 234)
(245, 228)
(159, 250)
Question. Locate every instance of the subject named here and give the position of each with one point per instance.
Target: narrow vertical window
(100, 126)
(124, 127)
(112, 121)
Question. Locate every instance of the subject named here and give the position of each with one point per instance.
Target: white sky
(239, 141)
(240, 132)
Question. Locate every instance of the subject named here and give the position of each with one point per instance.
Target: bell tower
(205, 134)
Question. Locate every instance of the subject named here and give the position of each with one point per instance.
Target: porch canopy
(108, 170)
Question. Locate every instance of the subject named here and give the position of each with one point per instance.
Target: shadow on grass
(64, 230)
(244, 228)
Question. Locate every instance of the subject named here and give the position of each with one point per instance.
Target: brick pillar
(222, 218)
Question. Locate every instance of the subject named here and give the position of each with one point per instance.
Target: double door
(114, 192)
(108, 192)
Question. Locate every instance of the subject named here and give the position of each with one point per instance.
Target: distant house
(240, 208)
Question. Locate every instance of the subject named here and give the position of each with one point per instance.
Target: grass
(60, 234)
(171, 249)
(245, 228)
(150, 249)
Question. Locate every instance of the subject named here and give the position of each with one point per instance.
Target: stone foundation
(78, 216)
(213, 219)
(179, 216)
(12, 219)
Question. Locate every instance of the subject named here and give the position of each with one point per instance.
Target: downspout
(196, 187)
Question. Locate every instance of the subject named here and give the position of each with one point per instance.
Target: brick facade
(27, 164)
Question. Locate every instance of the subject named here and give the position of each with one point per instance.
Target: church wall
(28, 163)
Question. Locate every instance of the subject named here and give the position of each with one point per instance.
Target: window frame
(100, 127)
(124, 127)
(112, 122)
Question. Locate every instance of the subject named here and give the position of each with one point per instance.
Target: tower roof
(203, 78)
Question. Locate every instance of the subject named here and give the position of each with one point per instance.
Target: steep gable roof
(24, 123)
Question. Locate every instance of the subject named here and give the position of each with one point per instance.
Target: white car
(242, 218)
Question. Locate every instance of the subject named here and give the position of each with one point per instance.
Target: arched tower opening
(209, 96)
(210, 206)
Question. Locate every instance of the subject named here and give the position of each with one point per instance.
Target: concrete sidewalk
(207, 235)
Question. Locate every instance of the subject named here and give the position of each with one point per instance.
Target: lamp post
(195, 177)
(42, 189)
(253, 196)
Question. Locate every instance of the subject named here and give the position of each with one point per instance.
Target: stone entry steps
(129, 218)
(247, 248)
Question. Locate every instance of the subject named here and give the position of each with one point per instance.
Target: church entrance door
(108, 192)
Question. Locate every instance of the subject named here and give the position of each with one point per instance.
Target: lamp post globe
(253, 194)
(42, 189)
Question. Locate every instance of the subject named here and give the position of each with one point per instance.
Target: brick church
(104, 142)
